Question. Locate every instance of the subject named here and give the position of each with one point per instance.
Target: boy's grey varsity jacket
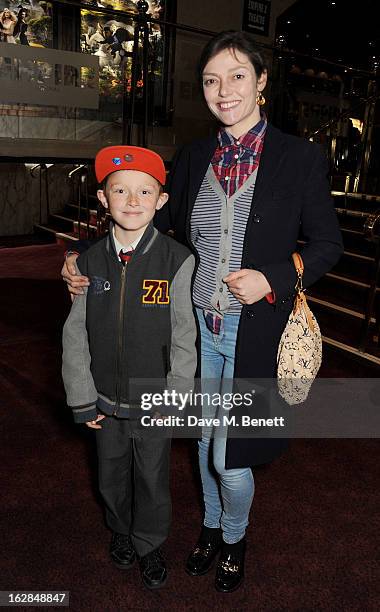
(134, 322)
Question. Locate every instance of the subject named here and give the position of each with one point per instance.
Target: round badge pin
(128, 157)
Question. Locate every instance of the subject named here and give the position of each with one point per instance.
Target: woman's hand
(75, 282)
(248, 286)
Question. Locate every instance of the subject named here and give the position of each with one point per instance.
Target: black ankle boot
(201, 559)
(230, 569)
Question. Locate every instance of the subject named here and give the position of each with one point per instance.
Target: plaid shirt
(236, 158)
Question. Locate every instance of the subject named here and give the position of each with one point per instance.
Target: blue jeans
(227, 494)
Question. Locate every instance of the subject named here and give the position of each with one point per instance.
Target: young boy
(135, 321)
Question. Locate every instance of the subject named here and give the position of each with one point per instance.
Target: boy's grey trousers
(133, 468)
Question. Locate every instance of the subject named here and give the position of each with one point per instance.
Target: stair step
(69, 219)
(69, 236)
(332, 306)
(72, 213)
(352, 350)
(75, 208)
(362, 197)
(352, 295)
(349, 230)
(353, 264)
(341, 326)
(347, 279)
(356, 243)
(362, 207)
(71, 223)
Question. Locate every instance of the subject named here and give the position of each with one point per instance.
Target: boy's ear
(162, 199)
(102, 197)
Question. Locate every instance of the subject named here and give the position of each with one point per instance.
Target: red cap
(122, 157)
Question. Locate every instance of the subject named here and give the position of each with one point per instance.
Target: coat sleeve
(183, 353)
(167, 218)
(79, 385)
(321, 231)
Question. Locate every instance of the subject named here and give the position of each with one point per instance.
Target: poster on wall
(256, 16)
(26, 22)
(111, 40)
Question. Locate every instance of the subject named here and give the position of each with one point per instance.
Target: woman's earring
(260, 100)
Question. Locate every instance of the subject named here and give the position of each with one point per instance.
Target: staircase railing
(371, 311)
(82, 195)
(43, 186)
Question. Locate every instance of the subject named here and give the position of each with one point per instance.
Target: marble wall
(20, 195)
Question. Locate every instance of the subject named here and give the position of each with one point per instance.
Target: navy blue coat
(292, 194)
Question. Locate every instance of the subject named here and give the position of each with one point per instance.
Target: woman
(7, 23)
(21, 27)
(238, 201)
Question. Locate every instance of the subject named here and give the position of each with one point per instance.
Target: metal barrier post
(82, 180)
(141, 26)
(144, 8)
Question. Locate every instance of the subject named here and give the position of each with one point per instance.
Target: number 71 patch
(156, 292)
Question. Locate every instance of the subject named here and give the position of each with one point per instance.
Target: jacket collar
(144, 244)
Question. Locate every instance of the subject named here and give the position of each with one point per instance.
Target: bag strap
(298, 264)
(300, 299)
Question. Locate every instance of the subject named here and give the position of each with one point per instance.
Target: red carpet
(314, 528)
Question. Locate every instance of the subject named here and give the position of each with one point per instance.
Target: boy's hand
(93, 424)
(74, 281)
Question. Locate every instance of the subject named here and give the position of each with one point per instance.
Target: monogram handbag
(299, 354)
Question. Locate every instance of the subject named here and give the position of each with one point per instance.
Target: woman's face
(230, 87)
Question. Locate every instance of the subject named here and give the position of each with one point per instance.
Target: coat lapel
(200, 158)
(270, 163)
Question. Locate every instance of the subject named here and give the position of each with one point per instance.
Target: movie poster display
(111, 40)
(26, 22)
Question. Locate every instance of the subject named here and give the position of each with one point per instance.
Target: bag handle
(298, 264)
(300, 299)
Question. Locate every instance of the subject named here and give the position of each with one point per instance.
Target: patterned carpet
(313, 536)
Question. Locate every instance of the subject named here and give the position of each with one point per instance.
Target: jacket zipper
(120, 340)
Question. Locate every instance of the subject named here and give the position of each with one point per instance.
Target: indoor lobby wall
(20, 198)
(63, 136)
(191, 117)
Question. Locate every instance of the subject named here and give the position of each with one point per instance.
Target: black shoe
(201, 559)
(230, 569)
(121, 550)
(153, 569)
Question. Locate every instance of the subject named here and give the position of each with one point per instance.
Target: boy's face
(132, 198)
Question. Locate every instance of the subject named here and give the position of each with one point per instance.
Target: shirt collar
(225, 139)
(120, 247)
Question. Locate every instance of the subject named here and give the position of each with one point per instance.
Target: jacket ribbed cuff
(84, 413)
